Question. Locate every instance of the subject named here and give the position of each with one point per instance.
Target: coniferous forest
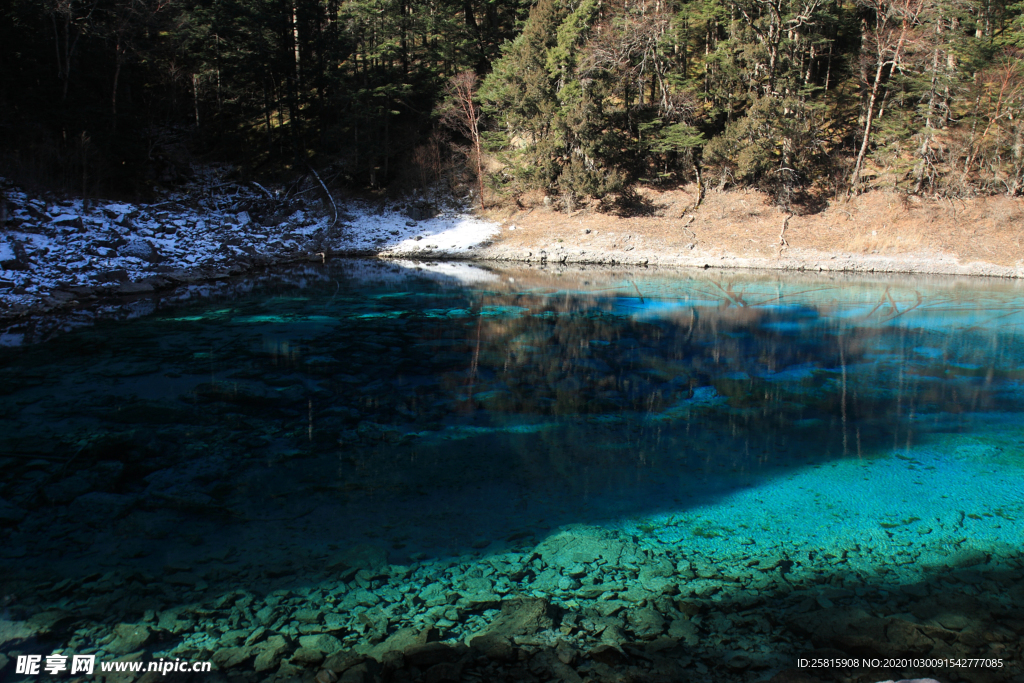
(802, 99)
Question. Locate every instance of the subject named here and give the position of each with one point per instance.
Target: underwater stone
(684, 570)
(566, 583)
(360, 673)
(10, 513)
(738, 661)
(477, 601)
(494, 646)
(326, 676)
(323, 642)
(234, 637)
(951, 612)
(659, 567)
(657, 584)
(363, 598)
(596, 591)
(341, 662)
(307, 616)
(334, 622)
(255, 635)
(429, 654)
(399, 641)
(169, 621)
(479, 584)
(230, 657)
(523, 616)
(43, 624)
(607, 654)
(575, 570)
(585, 545)
(967, 557)
(100, 507)
(66, 490)
(433, 595)
(307, 656)
(608, 608)
(547, 664)
(128, 638)
(853, 629)
(566, 653)
(547, 581)
(705, 571)
(267, 615)
(684, 630)
(636, 594)
(271, 654)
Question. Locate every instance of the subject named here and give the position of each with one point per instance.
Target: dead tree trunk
(464, 115)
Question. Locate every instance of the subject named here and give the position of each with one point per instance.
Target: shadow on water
(339, 443)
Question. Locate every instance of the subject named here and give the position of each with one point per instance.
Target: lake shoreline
(127, 251)
(878, 232)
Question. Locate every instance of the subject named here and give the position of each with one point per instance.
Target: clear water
(407, 447)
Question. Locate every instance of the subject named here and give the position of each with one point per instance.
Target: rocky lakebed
(433, 472)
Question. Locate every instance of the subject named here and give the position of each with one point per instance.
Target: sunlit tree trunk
(893, 21)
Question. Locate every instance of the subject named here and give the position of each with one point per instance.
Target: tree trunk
(927, 138)
(113, 90)
(195, 96)
(868, 119)
(883, 46)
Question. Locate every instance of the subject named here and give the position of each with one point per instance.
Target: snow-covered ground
(54, 253)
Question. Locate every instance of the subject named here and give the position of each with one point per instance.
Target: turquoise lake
(383, 470)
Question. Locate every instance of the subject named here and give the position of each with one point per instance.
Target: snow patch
(209, 227)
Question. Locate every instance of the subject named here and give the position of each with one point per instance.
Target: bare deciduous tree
(462, 114)
(894, 21)
(69, 23)
(772, 21)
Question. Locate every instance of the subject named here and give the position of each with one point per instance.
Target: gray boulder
(140, 248)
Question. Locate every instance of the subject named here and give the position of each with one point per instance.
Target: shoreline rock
(58, 255)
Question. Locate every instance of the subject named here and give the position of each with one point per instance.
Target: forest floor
(873, 232)
(62, 253)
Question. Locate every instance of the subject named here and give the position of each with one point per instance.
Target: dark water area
(612, 474)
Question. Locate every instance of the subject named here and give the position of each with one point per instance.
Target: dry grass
(746, 224)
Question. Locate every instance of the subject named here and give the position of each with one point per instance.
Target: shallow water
(377, 447)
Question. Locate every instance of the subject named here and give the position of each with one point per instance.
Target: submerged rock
(272, 650)
(129, 638)
(494, 646)
(10, 513)
(522, 616)
(646, 623)
(231, 657)
(587, 545)
(430, 654)
(99, 507)
(323, 642)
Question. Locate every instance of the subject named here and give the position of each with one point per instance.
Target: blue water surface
(343, 439)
